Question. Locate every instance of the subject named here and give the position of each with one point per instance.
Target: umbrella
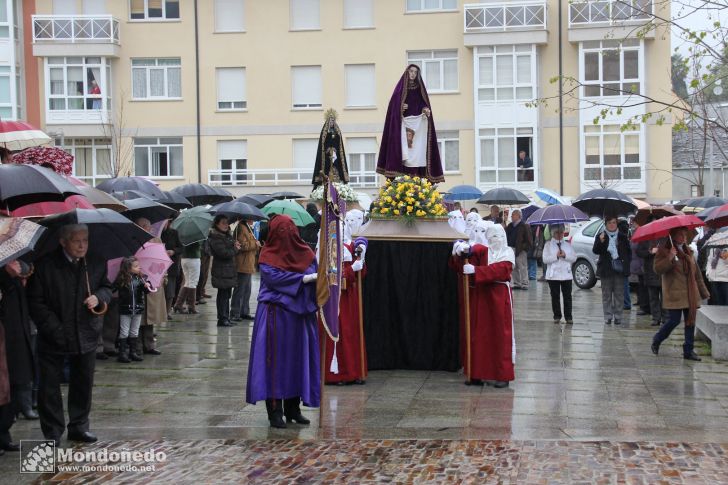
(200, 194)
(224, 193)
(641, 204)
(662, 227)
(101, 200)
(504, 195)
(76, 181)
(153, 260)
(557, 214)
(43, 209)
(175, 201)
(602, 202)
(528, 210)
(550, 197)
(149, 209)
(657, 212)
(27, 184)
(131, 194)
(701, 202)
(705, 213)
(463, 192)
(258, 200)
(719, 217)
(111, 235)
(193, 225)
(235, 210)
(19, 135)
(286, 195)
(122, 184)
(717, 240)
(57, 159)
(290, 208)
(17, 237)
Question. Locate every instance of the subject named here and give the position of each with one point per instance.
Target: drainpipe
(197, 95)
(561, 107)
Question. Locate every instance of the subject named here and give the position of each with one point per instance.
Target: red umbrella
(42, 209)
(77, 181)
(19, 135)
(57, 159)
(718, 217)
(662, 227)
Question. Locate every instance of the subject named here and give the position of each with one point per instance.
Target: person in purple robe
(284, 363)
(409, 140)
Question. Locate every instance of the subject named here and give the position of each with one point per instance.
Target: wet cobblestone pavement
(590, 404)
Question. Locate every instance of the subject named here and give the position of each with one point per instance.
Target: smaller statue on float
(330, 154)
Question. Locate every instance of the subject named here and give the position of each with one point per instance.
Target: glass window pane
(139, 83)
(432, 4)
(610, 65)
(506, 153)
(612, 173)
(631, 149)
(523, 69)
(487, 153)
(141, 161)
(592, 174)
(487, 176)
(175, 83)
(524, 93)
(631, 65)
(486, 94)
(432, 75)
(451, 75)
(594, 90)
(176, 168)
(632, 173)
(156, 82)
(75, 81)
(505, 94)
(57, 103)
(452, 155)
(449, 4)
(171, 9)
(4, 89)
(504, 70)
(592, 150)
(413, 5)
(612, 149)
(591, 66)
(103, 161)
(611, 89)
(506, 175)
(486, 71)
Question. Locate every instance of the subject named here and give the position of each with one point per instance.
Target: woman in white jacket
(559, 256)
(717, 274)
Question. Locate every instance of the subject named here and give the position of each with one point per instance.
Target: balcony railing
(281, 176)
(503, 17)
(583, 13)
(76, 29)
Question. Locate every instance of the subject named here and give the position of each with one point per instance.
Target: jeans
(659, 314)
(241, 295)
(223, 304)
(559, 288)
(719, 292)
(129, 326)
(613, 297)
(627, 294)
(673, 320)
(532, 268)
(520, 272)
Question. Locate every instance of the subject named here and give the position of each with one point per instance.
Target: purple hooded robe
(391, 161)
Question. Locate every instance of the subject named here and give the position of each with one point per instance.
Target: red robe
(456, 263)
(491, 318)
(348, 348)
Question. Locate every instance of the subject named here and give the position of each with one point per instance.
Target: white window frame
(373, 88)
(163, 18)
(516, 51)
(104, 82)
(156, 66)
(306, 106)
(291, 14)
(242, 103)
(233, 178)
(423, 9)
(159, 144)
(497, 134)
(215, 16)
(449, 141)
(419, 60)
(70, 145)
(611, 128)
(361, 177)
(369, 5)
(600, 47)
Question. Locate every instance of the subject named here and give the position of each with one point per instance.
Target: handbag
(617, 266)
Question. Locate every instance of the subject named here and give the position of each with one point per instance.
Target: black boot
(123, 352)
(134, 353)
(35, 398)
(293, 411)
(275, 413)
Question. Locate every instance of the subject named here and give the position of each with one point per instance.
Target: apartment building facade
(232, 92)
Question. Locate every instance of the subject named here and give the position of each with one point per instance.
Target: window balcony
(279, 177)
(515, 22)
(68, 35)
(595, 19)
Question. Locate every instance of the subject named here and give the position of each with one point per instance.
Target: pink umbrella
(57, 159)
(153, 260)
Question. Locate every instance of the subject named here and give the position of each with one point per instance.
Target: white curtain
(174, 82)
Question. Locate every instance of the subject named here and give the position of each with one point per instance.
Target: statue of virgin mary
(330, 155)
(409, 140)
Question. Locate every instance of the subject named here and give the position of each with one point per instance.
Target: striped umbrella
(19, 135)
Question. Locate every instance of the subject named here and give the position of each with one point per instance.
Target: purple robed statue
(409, 140)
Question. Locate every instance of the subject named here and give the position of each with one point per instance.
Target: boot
(293, 411)
(179, 305)
(275, 413)
(123, 352)
(134, 354)
(146, 335)
(34, 398)
(191, 299)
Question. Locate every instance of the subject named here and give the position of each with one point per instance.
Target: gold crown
(331, 113)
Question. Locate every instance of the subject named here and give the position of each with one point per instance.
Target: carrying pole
(466, 302)
(362, 347)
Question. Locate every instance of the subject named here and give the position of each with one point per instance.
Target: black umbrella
(175, 201)
(505, 196)
(149, 209)
(258, 200)
(239, 210)
(131, 195)
(111, 235)
(702, 202)
(122, 184)
(225, 193)
(200, 194)
(286, 195)
(605, 202)
(28, 184)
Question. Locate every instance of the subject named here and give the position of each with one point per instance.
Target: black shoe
(360, 382)
(152, 352)
(608, 322)
(236, 318)
(570, 322)
(248, 317)
(223, 323)
(500, 384)
(276, 421)
(474, 382)
(9, 446)
(111, 353)
(84, 437)
(642, 313)
(692, 356)
(655, 348)
(201, 302)
(557, 321)
(29, 414)
(618, 322)
(655, 324)
(101, 356)
(299, 418)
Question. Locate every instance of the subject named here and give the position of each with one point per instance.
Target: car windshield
(593, 228)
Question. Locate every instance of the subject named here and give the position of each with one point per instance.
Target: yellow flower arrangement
(409, 198)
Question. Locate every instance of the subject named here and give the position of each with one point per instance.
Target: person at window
(95, 90)
(525, 167)
(409, 140)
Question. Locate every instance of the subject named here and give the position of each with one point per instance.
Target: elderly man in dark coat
(63, 310)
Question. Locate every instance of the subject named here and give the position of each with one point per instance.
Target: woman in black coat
(612, 247)
(223, 248)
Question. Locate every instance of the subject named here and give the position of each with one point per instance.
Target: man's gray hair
(70, 229)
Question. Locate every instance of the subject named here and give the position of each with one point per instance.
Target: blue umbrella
(549, 196)
(463, 192)
(528, 210)
(557, 214)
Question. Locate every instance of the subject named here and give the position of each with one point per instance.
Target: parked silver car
(584, 268)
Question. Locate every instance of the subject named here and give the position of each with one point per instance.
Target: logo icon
(37, 456)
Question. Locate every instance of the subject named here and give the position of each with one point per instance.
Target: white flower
(345, 192)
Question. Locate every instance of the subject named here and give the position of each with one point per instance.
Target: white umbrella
(19, 135)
